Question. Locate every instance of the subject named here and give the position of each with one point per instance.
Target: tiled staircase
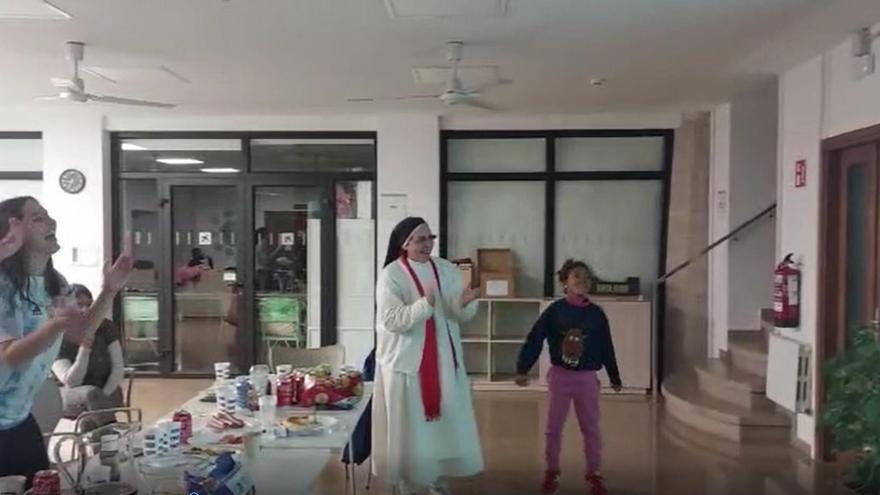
(725, 397)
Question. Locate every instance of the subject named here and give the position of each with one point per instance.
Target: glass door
(205, 262)
(288, 254)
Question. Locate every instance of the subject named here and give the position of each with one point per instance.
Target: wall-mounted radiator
(789, 373)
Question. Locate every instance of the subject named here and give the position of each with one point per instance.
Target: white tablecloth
(289, 465)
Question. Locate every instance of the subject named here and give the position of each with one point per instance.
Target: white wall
(753, 143)
(719, 225)
(818, 99)
(408, 153)
(84, 220)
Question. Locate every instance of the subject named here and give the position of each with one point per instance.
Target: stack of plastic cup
(151, 444)
(227, 398)
(222, 371)
(171, 434)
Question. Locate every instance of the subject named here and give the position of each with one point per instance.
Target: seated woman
(91, 372)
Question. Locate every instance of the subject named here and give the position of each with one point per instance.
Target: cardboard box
(497, 285)
(496, 271)
(495, 260)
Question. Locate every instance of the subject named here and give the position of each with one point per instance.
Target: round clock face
(72, 181)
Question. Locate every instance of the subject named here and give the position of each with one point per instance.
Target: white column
(719, 225)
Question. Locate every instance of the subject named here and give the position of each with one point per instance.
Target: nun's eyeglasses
(422, 239)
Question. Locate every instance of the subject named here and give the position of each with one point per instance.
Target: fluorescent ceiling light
(184, 145)
(220, 170)
(132, 147)
(179, 161)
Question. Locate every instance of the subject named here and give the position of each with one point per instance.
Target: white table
(292, 464)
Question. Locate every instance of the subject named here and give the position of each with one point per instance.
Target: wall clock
(72, 181)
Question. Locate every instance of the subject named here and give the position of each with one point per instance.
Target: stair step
(747, 351)
(686, 402)
(720, 450)
(721, 380)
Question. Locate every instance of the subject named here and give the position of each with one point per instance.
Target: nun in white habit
(424, 431)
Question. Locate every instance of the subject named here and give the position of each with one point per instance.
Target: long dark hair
(14, 268)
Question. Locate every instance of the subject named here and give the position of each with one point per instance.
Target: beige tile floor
(645, 452)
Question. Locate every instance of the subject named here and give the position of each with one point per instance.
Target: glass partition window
(287, 258)
(609, 154)
(21, 155)
(313, 155)
(606, 206)
(296, 208)
(612, 225)
(21, 167)
(500, 215)
(497, 155)
(205, 260)
(209, 156)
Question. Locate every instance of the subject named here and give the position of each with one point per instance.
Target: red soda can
(185, 420)
(46, 482)
(284, 391)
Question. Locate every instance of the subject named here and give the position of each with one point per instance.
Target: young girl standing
(579, 341)
(34, 313)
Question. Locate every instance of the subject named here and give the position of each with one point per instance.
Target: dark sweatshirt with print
(562, 319)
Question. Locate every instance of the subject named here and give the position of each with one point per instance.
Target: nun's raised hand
(429, 295)
(468, 295)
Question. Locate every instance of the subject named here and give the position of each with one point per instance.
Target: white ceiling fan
(73, 89)
(456, 93)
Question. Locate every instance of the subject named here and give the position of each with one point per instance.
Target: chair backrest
(333, 355)
(47, 408)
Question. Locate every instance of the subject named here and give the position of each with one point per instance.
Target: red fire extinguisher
(786, 294)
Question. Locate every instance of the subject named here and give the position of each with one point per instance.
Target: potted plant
(852, 408)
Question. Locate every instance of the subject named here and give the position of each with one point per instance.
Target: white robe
(408, 448)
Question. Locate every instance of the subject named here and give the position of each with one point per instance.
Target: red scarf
(429, 370)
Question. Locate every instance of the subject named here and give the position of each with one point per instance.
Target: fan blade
(129, 101)
(475, 90)
(94, 73)
(49, 98)
(478, 104)
(416, 97)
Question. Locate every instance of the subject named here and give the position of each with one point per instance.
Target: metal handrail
(655, 348)
(710, 247)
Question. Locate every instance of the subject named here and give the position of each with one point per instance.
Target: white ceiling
(294, 56)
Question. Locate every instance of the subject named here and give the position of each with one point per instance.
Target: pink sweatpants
(582, 387)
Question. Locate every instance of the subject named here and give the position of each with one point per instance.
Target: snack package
(227, 477)
(317, 391)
